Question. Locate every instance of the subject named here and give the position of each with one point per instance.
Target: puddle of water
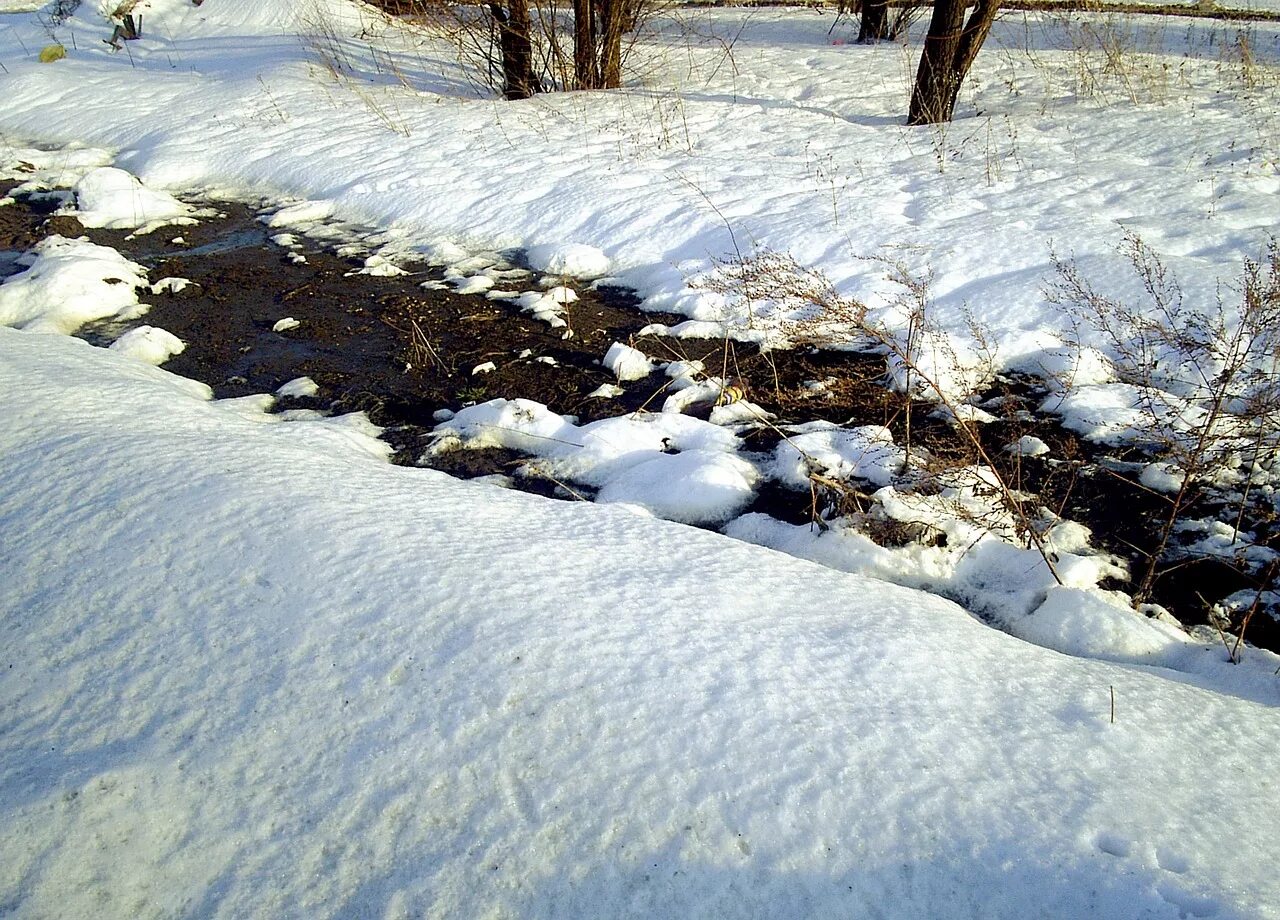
(231, 242)
(9, 262)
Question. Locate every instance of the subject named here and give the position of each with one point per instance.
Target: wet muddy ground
(400, 353)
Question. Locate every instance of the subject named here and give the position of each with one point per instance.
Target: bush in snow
(1201, 386)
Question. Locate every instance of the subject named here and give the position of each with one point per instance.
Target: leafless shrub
(920, 361)
(1208, 380)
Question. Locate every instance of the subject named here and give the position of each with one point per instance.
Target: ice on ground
(627, 363)
(149, 344)
(570, 260)
(69, 283)
(866, 452)
(111, 198)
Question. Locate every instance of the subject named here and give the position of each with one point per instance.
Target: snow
(1028, 446)
(148, 344)
(299, 388)
(304, 699)
(627, 363)
(250, 668)
(866, 452)
(692, 487)
(111, 198)
(572, 260)
(69, 283)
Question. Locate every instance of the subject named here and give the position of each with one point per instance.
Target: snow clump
(676, 467)
(627, 363)
(113, 199)
(867, 452)
(70, 283)
(570, 260)
(149, 344)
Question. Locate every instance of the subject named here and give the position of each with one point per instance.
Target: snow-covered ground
(249, 668)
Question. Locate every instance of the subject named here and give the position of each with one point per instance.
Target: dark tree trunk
(517, 48)
(613, 23)
(875, 21)
(586, 65)
(949, 51)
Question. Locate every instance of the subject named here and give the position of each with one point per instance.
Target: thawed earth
(249, 668)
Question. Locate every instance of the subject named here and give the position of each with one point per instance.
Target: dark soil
(399, 352)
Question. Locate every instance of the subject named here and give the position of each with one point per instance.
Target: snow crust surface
(225, 698)
(247, 668)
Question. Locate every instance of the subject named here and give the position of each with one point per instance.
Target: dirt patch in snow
(256, 314)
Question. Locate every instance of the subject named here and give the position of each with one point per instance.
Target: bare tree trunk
(586, 65)
(949, 52)
(613, 21)
(874, 25)
(517, 48)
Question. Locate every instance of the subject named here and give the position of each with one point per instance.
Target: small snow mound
(113, 199)
(570, 260)
(866, 452)
(476, 284)
(304, 212)
(627, 363)
(378, 266)
(148, 344)
(171, 285)
(299, 388)
(1162, 477)
(693, 487)
(1028, 446)
(1085, 622)
(70, 283)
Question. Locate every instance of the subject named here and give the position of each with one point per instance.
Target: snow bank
(249, 669)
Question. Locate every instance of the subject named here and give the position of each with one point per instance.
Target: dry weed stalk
(1208, 381)
(816, 313)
